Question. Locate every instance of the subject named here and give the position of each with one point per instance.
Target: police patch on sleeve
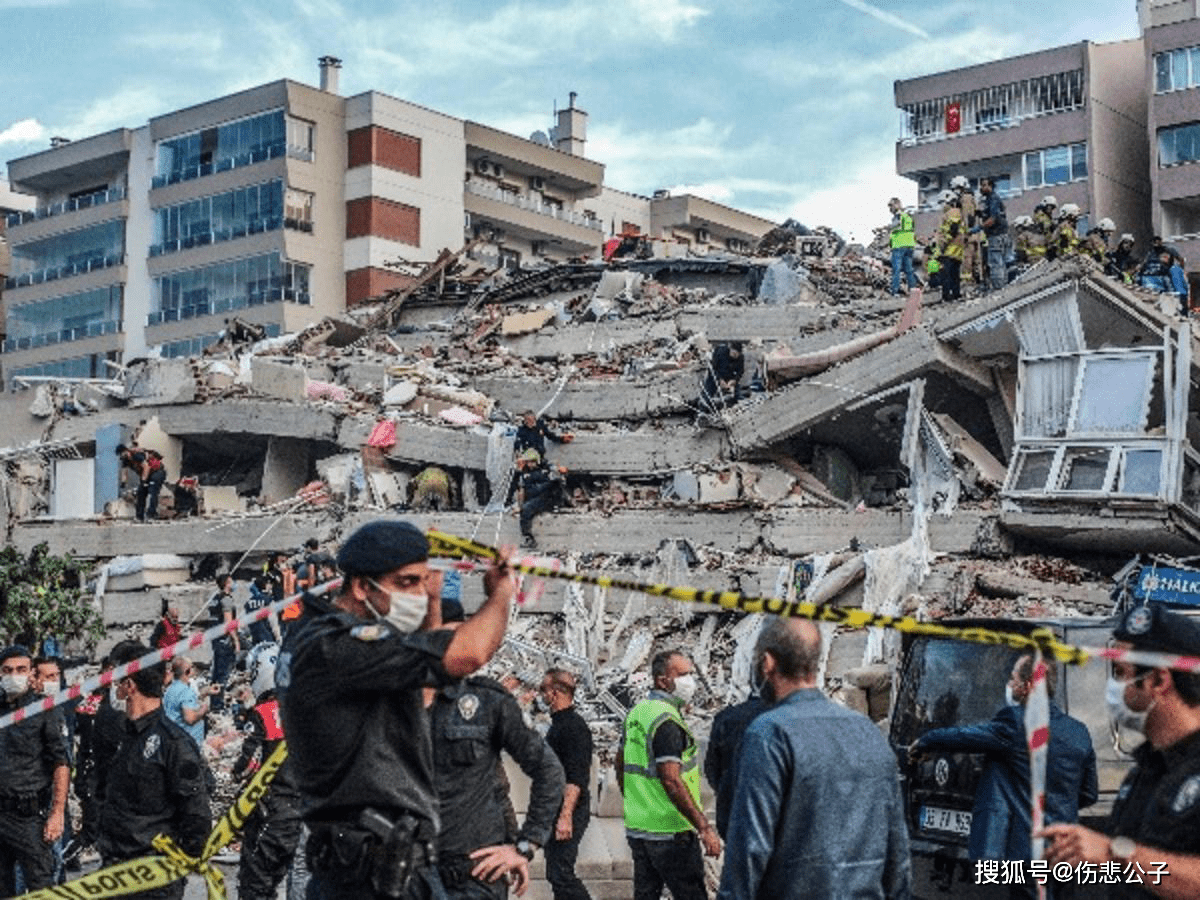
(1187, 795)
(369, 632)
(152, 744)
(1139, 620)
(468, 705)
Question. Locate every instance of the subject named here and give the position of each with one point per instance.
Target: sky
(783, 108)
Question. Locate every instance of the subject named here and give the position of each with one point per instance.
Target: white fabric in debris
(892, 574)
(575, 621)
(131, 565)
(741, 668)
(935, 483)
(498, 465)
(1047, 390)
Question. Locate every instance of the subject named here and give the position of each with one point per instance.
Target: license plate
(935, 818)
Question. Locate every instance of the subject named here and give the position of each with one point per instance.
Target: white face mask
(14, 685)
(1008, 695)
(50, 688)
(685, 688)
(406, 612)
(1118, 710)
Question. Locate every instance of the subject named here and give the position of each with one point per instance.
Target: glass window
(1085, 469)
(1033, 170)
(1056, 163)
(230, 285)
(1141, 472)
(1179, 69)
(1079, 167)
(1180, 144)
(1114, 394)
(1162, 72)
(1034, 469)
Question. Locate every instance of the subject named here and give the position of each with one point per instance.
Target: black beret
(382, 546)
(14, 650)
(1152, 627)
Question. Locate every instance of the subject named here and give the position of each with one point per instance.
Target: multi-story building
(1066, 121)
(285, 203)
(1171, 32)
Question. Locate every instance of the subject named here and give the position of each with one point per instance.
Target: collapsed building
(1003, 455)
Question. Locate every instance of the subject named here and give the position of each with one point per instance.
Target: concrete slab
(285, 469)
(598, 399)
(283, 381)
(249, 417)
(593, 337)
(526, 322)
(161, 381)
(214, 499)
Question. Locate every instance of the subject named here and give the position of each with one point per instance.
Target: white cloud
(857, 203)
(25, 131)
(886, 17)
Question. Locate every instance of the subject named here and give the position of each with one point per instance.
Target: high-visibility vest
(648, 809)
(904, 236)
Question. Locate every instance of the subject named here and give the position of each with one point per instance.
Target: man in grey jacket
(817, 811)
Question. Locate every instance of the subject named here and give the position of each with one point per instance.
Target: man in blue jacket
(1001, 823)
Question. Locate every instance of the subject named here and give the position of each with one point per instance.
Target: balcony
(211, 307)
(53, 273)
(249, 158)
(99, 198)
(94, 329)
(231, 233)
(532, 204)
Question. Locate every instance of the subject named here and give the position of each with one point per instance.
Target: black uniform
(1159, 804)
(541, 490)
(472, 722)
(721, 758)
(571, 740)
(359, 738)
(156, 785)
(100, 728)
(272, 830)
(534, 437)
(30, 752)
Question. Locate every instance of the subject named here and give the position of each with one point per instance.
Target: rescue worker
(1043, 216)
(1095, 243)
(350, 676)
(1030, 245)
(539, 488)
(1064, 241)
(993, 222)
(1122, 262)
(151, 473)
(658, 773)
(432, 489)
(972, 264)
(472, 722)
(951, 240)
(534, 432)
(272, 831)
(1155, 820)
(33, 767)
(902, 239)
(156, 783)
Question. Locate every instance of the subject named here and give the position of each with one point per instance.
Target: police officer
(33, 779)
(350, 676)
(472, 722)
(156, 782)
(272, 831)
(1156, 816)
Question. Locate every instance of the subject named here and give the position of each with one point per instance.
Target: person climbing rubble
(725, 370)
(533, 432)
(539, 488)
(151, 473)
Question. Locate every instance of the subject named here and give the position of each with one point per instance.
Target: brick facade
(363, 284)
(376, 217)
(377, 146)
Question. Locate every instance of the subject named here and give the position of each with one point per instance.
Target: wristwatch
(526, 849)
(1122, 849)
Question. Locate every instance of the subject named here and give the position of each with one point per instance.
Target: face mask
(14, 685)
(1008, 696)
(685, 688)
(116, 702)
(50, 688)
(540, 704)
(758, 681)
(1118, 710)
(407, 611)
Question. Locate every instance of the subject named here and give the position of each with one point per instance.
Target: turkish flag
(953, 117)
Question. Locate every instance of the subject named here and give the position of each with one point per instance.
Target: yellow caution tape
(448, 545)
(148, 872)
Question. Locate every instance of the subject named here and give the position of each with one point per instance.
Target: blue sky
(780, 107)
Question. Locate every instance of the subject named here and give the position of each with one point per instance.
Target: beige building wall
(1118, 154)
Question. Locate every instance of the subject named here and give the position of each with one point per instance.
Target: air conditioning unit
(482, 166)
(702, 235)
(931, 181)
(537, 183)
(498, 170)
(466, 221)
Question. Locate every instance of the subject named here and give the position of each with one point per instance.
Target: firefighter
(1064, 241)
(973, 250)
(951, 239)
(1095, 244)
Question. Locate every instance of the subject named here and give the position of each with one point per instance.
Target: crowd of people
(393, 785)
(972, 243)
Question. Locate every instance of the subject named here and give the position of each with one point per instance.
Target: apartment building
(1067, 121)
(285, 203)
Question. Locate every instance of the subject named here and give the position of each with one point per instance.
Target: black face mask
(762, 686)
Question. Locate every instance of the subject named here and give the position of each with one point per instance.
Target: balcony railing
(93, 329)
(249, 158)
(219, 235)
(53, 273)
(212, 307)
(99, 198)
(532, 204)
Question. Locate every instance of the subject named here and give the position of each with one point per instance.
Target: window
(1176, 70)
(1114, 395)
(300, 138)
(1140, 472)
(69, 318)
(231, 146)
(1033, 468)
(247, 210)
(1085, 468)
(227, 286)
(1056, 165)
(1180, 144)
(297, 209)
(67, 254)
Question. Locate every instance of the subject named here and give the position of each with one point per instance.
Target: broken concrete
(280, 381)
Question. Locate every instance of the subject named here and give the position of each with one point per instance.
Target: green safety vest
(904, 236)
(648, 809)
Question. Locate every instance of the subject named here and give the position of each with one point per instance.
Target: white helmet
(1049, 200)
(1106, 224)
(1126, 237)
(946, 196)
(260, 663)
(1069, 211)
(1023, 222)
(960, 183)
